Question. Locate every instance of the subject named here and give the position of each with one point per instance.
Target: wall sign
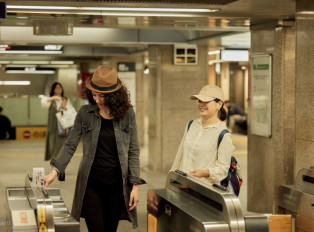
(260, 110)
(127, 73)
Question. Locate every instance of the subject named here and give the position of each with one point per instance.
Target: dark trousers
(102, 206)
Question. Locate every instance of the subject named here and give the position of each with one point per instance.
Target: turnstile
(298, 200)
(187, 204)
(34, 208)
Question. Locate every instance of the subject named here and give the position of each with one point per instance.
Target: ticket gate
(34, 208)
(188, 204)
(298, 200)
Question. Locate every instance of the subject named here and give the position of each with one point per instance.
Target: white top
(45, 104)
(198, 150)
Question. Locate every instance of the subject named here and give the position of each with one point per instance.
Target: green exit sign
(261, 66)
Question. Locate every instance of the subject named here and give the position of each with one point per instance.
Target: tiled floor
(17, 158)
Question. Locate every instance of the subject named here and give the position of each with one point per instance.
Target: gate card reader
(34, 208)
(298, 200)
(188, 204)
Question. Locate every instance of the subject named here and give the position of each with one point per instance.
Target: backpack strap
(221, 135)
(189, 124)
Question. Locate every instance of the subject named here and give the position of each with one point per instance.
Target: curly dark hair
(118, 102)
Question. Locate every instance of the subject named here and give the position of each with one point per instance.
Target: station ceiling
(98, 28)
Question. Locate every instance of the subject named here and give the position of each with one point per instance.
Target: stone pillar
(304, 86)
(169, 104)
(271, 161)
(68, 78)
(138, 59)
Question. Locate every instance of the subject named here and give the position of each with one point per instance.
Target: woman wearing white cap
(108, 177)
(198, 153)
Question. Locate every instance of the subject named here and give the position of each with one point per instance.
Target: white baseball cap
(209, 93)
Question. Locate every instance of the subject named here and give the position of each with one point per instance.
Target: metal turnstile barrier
(298, 200)
(188, 204)
(35, 208)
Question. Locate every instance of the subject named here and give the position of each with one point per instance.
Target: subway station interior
(259, 52)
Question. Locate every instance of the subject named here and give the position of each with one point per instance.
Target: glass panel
(16, 109)
(38, 115)
(191, 60)
(180, 51)
(180, 59)
(191, 51)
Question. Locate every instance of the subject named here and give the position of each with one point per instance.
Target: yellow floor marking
(239, 141)
(240, 152)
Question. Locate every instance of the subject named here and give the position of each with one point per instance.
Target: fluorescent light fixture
(29, 62)
(34, 63)
(134, 9)
(15, 82)
(234, 55)
(62, 62)
(20, 66)
(305, 12)
(53, 47)
(116, 11)
(5, 46)
(29, 70)
(30, 52)
(214, 52)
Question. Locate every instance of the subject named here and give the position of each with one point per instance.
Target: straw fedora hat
(104, 80)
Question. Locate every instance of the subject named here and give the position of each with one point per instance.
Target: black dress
(103, 200)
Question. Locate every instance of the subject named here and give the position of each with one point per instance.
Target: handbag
(66, 117)
(63, 132)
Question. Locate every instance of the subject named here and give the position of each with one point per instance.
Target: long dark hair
(222, 113)
(52, 90)
(118, 102)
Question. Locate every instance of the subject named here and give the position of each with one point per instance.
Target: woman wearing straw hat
(108, 177)
(198, 153)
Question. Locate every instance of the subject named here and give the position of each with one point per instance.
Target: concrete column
(225, 79)
(271, 161)
(304, 86)
(138, 59)
(170, 108)
(68, 78)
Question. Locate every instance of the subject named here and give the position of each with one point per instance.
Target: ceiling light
(216, 52)
(62, 62)
(30, 52)
(305, 12)
(29, 70)
(115, 11)
(234, 55)
(4, 46)
(15, 82)
(200, 10)
(53, 47)
(29, 62)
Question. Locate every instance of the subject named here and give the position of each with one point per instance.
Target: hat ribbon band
(103, 88)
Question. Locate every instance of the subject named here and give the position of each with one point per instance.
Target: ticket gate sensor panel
(298, 200)
(188, 204)
(35, 208)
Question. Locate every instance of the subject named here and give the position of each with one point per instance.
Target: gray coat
(54, 142)
(87, 125)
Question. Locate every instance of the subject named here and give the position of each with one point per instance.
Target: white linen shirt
(45, 104)
(198, 150)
